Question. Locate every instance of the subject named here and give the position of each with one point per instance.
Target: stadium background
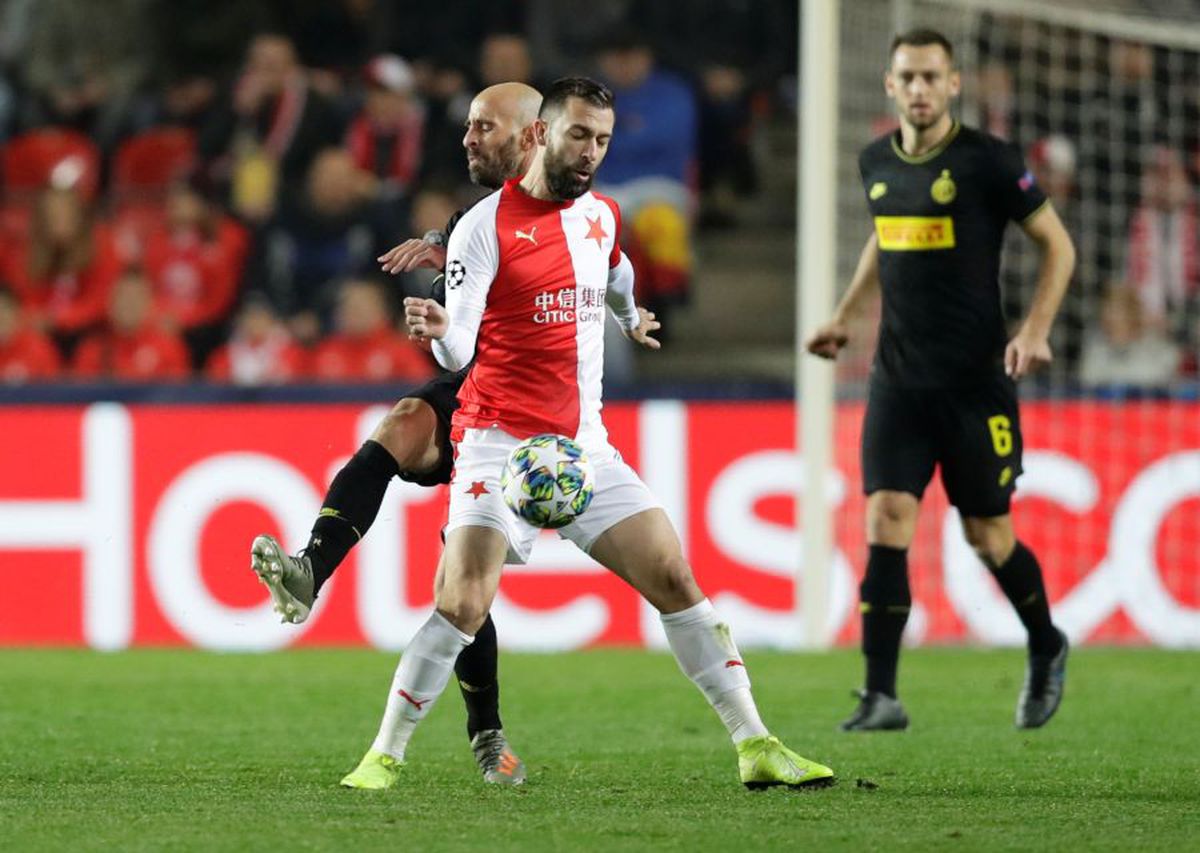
(130, 490)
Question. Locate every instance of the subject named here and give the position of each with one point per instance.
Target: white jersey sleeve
(619, 295)
(472, 260)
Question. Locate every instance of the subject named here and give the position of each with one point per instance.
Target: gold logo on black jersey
(878, 190)
(943, 189)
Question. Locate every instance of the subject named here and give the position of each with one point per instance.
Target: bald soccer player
(413, 441)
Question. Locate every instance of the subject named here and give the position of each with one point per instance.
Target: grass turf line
(155, 749)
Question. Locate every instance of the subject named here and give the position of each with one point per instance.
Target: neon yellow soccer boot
(763, 761)
(376, 771)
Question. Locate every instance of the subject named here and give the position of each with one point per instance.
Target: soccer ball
(548, 481)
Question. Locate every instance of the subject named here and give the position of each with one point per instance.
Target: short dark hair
(922, 37)
(592, 91)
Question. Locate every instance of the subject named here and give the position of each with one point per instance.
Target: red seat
(34, 160)
(149, 162)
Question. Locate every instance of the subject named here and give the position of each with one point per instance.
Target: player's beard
(493, 170)
(561, 179)
(929, 120)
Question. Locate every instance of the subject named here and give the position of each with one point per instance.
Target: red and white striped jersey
(526, 283)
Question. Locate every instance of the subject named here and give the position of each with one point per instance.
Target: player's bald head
(516, 102)
(500, 137)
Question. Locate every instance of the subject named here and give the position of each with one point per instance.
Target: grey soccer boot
(289, 579)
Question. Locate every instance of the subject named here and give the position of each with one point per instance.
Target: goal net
(1104, 100)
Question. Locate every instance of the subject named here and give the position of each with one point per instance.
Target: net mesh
(1104, 100)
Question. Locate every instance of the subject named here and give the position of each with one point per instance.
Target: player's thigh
(981, 448)
(644, 551)
(469, 572)
(898, 442)
(476, 499)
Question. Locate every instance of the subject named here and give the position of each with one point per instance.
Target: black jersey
(940, 220)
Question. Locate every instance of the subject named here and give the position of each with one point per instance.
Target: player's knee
(891, 517)
(464, 612)
(675, 586)
(406, 432)
(991, 542)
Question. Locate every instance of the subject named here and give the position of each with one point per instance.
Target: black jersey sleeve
(1016, 190)
(452, 223)
(438, 290)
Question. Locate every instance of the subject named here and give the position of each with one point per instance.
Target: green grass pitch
(184, 750)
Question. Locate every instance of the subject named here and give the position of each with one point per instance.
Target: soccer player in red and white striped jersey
(529, 272)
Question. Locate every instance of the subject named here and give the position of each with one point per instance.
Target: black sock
(886, 601)
(1021, 579)
(475, 670)
(349, 509)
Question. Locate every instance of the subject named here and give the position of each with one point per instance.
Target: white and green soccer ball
(548, 481)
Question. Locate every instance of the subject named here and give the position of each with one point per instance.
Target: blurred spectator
(562, 31)
(432, 209)
(650, 166)
(738, 51)
(83, 64)
(366, 346)
(504, 58)
(1052, 162)
(133, 347)
(448, 93)
(195, 44)
(260, 352)
(270, 129)
(444, 32)
(385, 138)
(332, 37)
(194, 263)
(326, 233)
(1126, 351)
(26, 355)
(1163, 265)
(64, 272)
(996, 99)
(1121, 121)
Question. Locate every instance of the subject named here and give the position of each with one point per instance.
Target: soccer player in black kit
(413, 442)
(942, 389)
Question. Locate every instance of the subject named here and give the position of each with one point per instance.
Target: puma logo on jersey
(523, 235)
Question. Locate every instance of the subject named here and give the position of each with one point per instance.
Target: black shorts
(441, 394)
(973, 433)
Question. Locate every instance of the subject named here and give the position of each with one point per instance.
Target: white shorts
(475, 499)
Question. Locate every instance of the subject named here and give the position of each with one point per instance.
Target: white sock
(420, 678)
(708, 656)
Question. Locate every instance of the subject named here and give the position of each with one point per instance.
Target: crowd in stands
(200, 188)
(1111, 132)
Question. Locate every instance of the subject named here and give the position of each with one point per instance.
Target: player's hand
(828, 340)
(425, 318)
(641, 333)
(412, 254)
(1025, 353)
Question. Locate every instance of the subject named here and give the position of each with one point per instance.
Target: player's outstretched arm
(1030, 347)
(413, 254)
(826, 341)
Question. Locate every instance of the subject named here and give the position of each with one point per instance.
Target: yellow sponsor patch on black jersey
(914, 233)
